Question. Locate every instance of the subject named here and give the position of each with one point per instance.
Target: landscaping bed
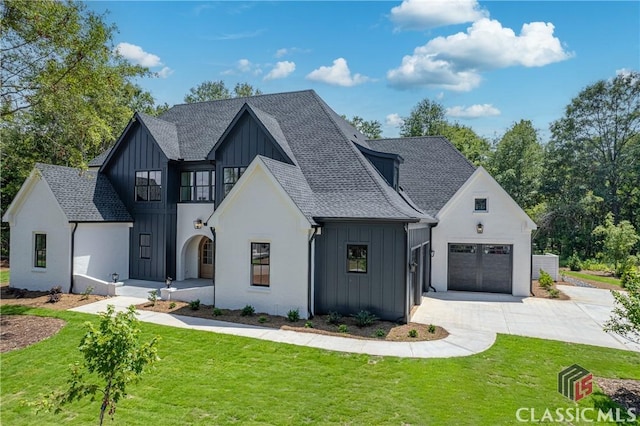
(541, 292)
(379, 330)
(20, 331)
(41, 299)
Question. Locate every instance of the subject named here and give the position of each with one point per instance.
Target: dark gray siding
(138, 151)
(246, 140)
(420, 239)
(382, 290)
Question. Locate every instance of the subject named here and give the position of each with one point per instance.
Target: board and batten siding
(381, 290)
(139, 152)
(421, 237)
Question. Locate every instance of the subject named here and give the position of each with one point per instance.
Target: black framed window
(40, 251)
(145, 246)
(260, 264)
(197, 186)
(148, 185)
(357, 258)
(480, 205)
(231, 175)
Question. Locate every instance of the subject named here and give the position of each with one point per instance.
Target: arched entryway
(205, 258)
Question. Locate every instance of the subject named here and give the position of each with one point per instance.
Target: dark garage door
(480, 267)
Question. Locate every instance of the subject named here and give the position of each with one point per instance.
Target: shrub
(172, 305)
(342, 328)
(432, 328)
(413, 333)
(308, 324)
(194, 305)
(217, 312)
(248, 311)
(334, 318)
(85, 294)
(554, 293)
(630, 278)
(379, 333)
(574, 262)
(262, 319)
(55, 294)
(545, 280)
(293, 315)
(153, 297)
(365, 318)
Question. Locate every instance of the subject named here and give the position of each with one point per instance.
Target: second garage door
(480, 267)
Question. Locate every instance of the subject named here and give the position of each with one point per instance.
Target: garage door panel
(496, 268)
(463, 266)
(480, 267)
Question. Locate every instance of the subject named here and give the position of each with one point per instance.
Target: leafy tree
(425, 119)
(114, 353)
(625, 319)
(214, 90)
(472, 146)
(371, 129)
(516, 164)
(618, 241)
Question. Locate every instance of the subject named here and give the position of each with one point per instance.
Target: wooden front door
(205, 254)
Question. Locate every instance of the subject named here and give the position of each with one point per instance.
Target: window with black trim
(231, 175)
(40, 251)
(480, 205)
(357, 258)
(148, 185)
(260, 264)
(197, 186)
(145, 246)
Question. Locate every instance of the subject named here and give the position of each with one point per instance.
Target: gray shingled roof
(84, 196)
(165, 134)
(433, 169)
(97, 161)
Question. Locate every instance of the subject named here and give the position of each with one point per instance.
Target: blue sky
(489, 64)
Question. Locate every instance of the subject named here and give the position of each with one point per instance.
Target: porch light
(197, 224)
(479, 228)
(115, 277)
(168, 282)
(433, 253)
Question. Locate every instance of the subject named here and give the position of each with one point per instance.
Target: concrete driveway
(578, 320)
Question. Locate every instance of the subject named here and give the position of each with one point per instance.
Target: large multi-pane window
(260, 264)
(145, 246)
(40, 251)
(149, 185)
(197, 186)
(357, 258)
(231, 175)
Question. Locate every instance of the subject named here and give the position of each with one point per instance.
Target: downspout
(215, 250)
(309, 268)
(531, 262)
(407, 278)
(429, 257)
(73, 246)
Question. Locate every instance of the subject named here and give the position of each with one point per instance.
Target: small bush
(262, 319)
(365, 318)
(308, 324)
(85, 294)
(217, 312)
(545, 280)
(293, 315)
(55, 294)
(153, 297)
(379, 333)
(554, 293)
(334, 318)
(248, 311)
(342, 328)
(432, 329)
(194, 305)
(630, 278)
(172, 305)
(413, 333)
(574, 262)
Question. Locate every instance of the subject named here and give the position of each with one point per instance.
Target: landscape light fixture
(115, 277)
(479, 228)
(168, 282)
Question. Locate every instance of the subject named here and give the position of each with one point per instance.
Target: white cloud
(281, 52)
(138, 56)
(394, 120)
(290, 51)
(244, 66)
(455, 62)
(281, 70)
(338, 74)
(165, 72)
(440, 96)
(421, 14)
(473, 111)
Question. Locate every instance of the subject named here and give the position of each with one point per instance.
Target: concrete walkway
(579, 320)
(460, 342)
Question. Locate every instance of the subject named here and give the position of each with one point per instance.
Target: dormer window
(148, 185)
(480, 205)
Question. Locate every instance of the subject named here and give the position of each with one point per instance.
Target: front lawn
(207, 378)
(4, 276)
(593, 277)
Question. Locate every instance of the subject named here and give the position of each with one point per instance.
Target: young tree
(214, 90)
(618, 241)
(425, 119)
(625, 319)
(114, 353)
(371, 129)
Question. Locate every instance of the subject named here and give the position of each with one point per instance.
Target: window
(490, 249)
(480, 205)
(231, 176)
(148, 185)
(197, 186)
(462, 248)
(357, 258)
(40, 254)
(207, 252)
(145, 246)
(260, 264)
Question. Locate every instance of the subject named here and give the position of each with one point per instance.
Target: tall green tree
(618, 241)
(214, 90)
(372, 129)
(517, 164)
(427, 118)
(468, 142)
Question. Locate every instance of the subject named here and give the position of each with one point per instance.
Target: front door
(205, 254)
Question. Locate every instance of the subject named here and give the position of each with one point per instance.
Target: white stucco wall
(39, 212)
(188, 238)
(102, 249)
(504, 223)
(258, 210)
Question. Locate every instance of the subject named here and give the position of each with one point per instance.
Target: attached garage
(480, 267)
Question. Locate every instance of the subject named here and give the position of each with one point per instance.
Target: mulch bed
(40, 299)
(20, 331)
(544, 294)
(390, 331)
(624, 392)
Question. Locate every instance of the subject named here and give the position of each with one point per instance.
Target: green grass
(206, 378)
(4, 277)
(606, 280)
